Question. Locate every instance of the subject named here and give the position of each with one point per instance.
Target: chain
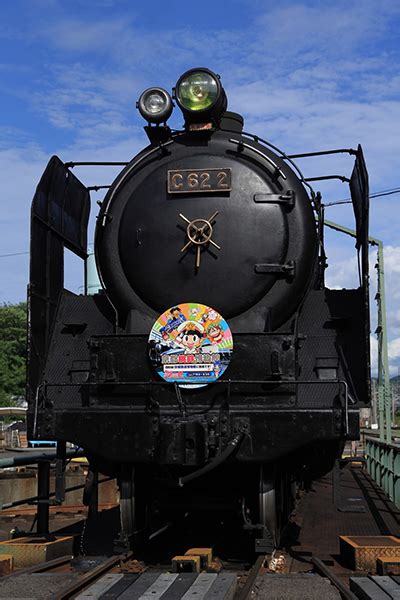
(82, 539)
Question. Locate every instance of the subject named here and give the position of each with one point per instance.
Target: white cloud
(374, 355)
(394, 349)
(72, 34)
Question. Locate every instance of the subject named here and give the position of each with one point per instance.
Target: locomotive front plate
(185, 181)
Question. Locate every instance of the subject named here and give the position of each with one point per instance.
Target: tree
(13, 351)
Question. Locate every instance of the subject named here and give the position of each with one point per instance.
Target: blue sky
(306, 75)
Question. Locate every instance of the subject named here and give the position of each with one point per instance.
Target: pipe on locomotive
(232, 445)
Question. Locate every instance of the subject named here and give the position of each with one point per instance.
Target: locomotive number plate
(185, 181)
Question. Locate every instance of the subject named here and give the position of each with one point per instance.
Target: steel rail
(346, 593)
(251, 579)
(91, 576)
(40, 568)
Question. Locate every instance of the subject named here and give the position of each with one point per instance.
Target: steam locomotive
(214, 368)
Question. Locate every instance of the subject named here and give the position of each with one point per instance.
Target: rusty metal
(29, 551)
(42, 567)
(251, 579)
(362, 552)
(55, 509)
(345, 592)
(388, 566)
(6, 564)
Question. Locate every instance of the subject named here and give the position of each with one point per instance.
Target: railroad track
(125, 578)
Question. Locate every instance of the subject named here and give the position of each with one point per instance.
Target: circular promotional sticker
(190, 344)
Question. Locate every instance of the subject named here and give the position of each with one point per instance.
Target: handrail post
(60, 471)
(43, 506)
(94, 496)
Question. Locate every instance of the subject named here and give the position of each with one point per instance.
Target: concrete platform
(35, 586)
(303, 586)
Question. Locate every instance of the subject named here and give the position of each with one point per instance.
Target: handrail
(35, 499)
(383, 463)
(375, 436)
(10, 411)
(42, 500)
(19, 461)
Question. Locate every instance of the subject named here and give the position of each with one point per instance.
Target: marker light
(155, 105)
(200, 95)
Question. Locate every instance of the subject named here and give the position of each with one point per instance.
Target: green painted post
(396, 469)
(385, 397)
(384, 394)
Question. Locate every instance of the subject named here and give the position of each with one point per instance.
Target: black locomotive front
(214, 216)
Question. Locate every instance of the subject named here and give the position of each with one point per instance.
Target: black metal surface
(138, 251)
(59, 217)
(332, 325)
(132, 435)
(61, 202)
(359, 188)
(61, 458)
(128, 358)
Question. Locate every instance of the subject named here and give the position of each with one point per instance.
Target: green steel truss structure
(382, 452)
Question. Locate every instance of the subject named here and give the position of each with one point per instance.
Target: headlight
(197, 91)
(155, 105)
(200, 96)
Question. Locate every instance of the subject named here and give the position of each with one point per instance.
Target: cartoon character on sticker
(190, 336)
(215, 334)
(210, 315)
(194, 313)
(166, 339)
(176, 317)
